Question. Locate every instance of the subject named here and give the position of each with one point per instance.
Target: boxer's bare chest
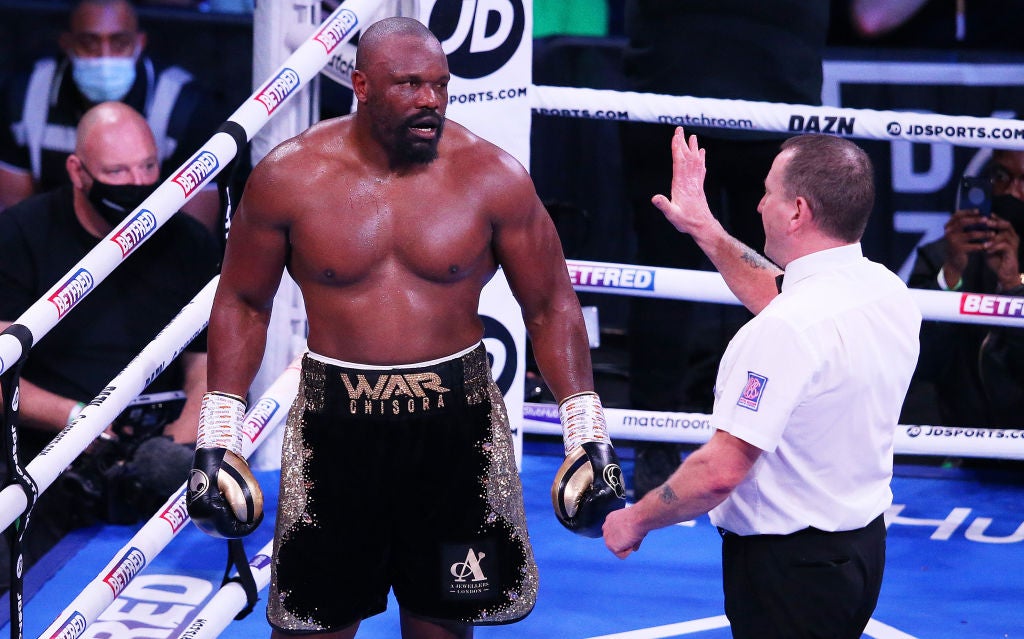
(353, 229)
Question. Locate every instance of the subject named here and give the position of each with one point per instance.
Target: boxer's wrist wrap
(220, 422)
(582, 418)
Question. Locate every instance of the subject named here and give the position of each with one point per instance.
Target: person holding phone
(975, 195)
(969, 374)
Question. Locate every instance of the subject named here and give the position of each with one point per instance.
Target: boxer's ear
(359, 85)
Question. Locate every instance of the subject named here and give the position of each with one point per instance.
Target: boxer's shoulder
(470, 154)
(327, 138)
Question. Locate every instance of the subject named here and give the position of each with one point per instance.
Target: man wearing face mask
(973, 374)
(112, 169)
(102, 59)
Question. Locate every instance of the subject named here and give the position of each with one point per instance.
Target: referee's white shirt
(816, 381)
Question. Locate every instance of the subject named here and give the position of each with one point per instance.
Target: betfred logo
(176, 514)
(260, 561)
(611, 277)
(198, 170)
(125, 570)
(334, 32)
(259, 417)
(274, 93)
(134, 231)
(72, 628)
(73, 290)
(992, 305)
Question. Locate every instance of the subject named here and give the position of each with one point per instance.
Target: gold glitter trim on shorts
(294, 490)
(476, 375)
(504, 493)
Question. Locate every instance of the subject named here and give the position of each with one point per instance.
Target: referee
(797, 475)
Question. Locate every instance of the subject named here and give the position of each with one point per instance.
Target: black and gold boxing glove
(589, 483)
(223, 497)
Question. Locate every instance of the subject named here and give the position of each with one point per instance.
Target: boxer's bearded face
(408, 139)
(406, 98)
(416, 139)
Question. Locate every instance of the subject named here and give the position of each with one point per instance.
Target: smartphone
(975, 193)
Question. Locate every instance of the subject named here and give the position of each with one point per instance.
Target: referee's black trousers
(808, 584)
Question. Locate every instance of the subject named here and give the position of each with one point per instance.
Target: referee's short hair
(837, 179)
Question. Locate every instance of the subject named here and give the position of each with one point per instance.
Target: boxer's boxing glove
(589, 483)
(223, 497)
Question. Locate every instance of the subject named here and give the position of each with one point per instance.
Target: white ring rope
(750, 115)
(696, 428)
(708, 286)
(230, 599)
(101, 411)
(747, 115)
(264, 416)
(190, 177)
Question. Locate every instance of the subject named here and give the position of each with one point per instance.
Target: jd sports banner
(918, 182)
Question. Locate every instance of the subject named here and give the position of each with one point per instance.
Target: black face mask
(1010, 209)
(115, 201)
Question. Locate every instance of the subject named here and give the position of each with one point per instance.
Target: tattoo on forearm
(667, 495)
(753, 258)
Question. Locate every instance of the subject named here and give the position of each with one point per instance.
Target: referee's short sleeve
(763, 376)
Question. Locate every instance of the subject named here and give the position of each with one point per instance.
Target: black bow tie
(778, 281)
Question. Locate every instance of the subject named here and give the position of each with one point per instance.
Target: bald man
(102, 58)
(398, 465)
(113, 168)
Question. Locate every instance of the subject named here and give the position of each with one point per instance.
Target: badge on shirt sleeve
(751, 395)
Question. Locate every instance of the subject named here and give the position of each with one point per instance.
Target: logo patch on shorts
(752, 392)
(468, 571)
